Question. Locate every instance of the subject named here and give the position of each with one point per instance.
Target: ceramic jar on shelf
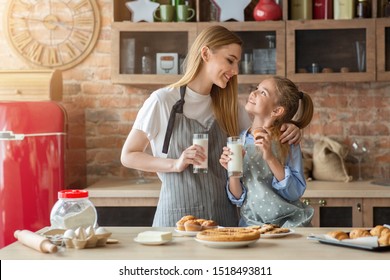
(267, 10)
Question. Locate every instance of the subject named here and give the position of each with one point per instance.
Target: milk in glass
(235, 166)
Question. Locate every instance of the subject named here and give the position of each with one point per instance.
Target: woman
(203, 100)
(273, 181)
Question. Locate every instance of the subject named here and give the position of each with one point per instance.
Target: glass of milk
(201, 139)
(235, 166)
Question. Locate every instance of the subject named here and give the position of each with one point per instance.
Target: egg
(81, 233)
(101, 230)
(69, 234)
(90, 231)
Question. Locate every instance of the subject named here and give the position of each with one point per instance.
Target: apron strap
(177, 108)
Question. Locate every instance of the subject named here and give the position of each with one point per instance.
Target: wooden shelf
(383, 49)
(330, 43)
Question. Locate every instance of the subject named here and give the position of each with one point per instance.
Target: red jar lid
(72, 194)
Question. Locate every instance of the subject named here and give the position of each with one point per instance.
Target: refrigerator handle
(9, 135)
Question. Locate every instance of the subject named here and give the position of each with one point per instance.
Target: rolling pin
(35, 241)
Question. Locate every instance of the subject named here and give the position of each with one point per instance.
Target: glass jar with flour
(73, 210)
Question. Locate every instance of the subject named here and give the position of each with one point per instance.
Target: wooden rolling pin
(35, 241)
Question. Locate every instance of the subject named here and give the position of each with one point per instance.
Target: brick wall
(101, 113)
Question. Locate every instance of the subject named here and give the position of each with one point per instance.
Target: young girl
(273, 181)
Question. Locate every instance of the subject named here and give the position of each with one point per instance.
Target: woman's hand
(194, 154)
(225, 157)
(290, 133)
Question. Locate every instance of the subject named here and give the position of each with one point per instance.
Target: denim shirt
(291, 187)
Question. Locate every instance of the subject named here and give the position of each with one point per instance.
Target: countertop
(122, 192)
(292, 247)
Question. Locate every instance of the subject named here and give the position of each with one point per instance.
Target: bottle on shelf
(362, 9)
(323, 9)
(146, 61)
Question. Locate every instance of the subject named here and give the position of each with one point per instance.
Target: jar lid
(72, 194)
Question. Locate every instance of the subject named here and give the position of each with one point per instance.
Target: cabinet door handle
(321, 202)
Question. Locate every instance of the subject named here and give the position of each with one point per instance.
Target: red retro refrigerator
(32, 147)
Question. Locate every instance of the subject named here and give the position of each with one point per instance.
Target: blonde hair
(224, 100)
(298, 109)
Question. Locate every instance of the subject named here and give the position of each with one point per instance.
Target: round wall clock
(52, 33)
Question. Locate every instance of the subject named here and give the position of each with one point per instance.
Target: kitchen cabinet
(160, 37)
(353, 204)
(177, 38)
(331, 50)
(330, 44)
(383, 49)
(349, 212)
(336, 212)
(376, 211)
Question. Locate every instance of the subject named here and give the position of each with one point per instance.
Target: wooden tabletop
(292, 247)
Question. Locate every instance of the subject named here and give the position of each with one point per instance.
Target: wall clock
(52, 33)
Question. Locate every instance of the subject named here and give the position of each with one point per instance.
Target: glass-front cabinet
(324, 50)
(383, 49)
(145, 53)
(305, 50)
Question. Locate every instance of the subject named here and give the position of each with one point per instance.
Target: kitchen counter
(292, 247)
(121, 192)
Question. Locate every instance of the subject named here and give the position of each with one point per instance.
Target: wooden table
(292, 247)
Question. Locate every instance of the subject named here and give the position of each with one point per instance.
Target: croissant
(356, 233)
(340, 235)
(384, 239)
(379, 230)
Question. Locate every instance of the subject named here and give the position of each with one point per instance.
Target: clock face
(52, 33)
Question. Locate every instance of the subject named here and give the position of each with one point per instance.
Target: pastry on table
(384, 239)
(207, 224)
(379, 230)
(267, 227)
(229, 234)
(278, 231)
(338, 234)
(192, 225)
(180, 223)
(359, 232)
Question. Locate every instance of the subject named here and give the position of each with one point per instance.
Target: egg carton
(80, 238)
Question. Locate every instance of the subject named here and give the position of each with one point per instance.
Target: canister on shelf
(343, 9)
(323, 9)
(301, 9)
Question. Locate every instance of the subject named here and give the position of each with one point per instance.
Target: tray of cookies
(272, 230)
(374, 239)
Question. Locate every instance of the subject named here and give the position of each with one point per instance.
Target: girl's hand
(225, 157)
(291, 134)
(264, 143)
(194, 154)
